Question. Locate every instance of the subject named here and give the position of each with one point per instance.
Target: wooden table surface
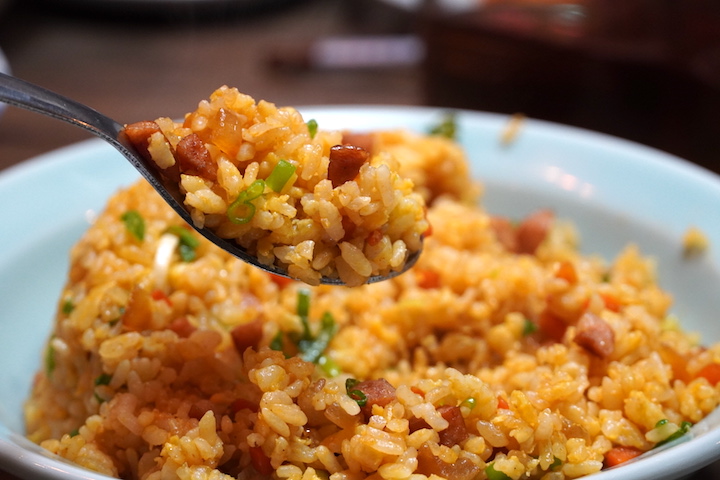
(141, 65)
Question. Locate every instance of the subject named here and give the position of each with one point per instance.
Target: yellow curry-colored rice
(144, 377)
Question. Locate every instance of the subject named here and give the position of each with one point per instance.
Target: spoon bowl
(20, 93)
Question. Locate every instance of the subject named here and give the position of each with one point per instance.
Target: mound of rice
(503, 353)
(314, 203)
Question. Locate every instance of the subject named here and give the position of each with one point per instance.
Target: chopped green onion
(68, 306)
(684, 428)
(329, 366)
(469, 402)
(74, 433)
(557, 463)
(50, 359)
(280, 175)
(103, 379)
(313, 348)
(312, 127)
(134, 223)
(447, 127)
(493, 474)
(303, 311)
(355, 393)
(242, 210)
(188, 242)
(662, 422)
(310, 347)
(529, 327)
(277, 342)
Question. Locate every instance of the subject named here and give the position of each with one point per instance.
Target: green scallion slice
(447, 127)
(355, 393)
(188, 242)
(103, 379)
(134, 223)
(242, 210)
(280, 175)
(312, 127)
(493, 474)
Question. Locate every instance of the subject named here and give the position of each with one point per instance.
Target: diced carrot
(617, 455)
(502, 403)
(611, 302)
(566, 271)
(428, 230)
(427, 278)
(159, 295)
(677, 362)
(280, 281)
(260, 461)
(417, 390)
(552, 326)
(711, 372)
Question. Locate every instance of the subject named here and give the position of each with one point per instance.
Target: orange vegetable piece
(427, 278)
(611, 302)
(280, 281)
(711, 372)
(617, 455)
(566, 271)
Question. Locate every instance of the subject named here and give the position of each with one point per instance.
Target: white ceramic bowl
(616, 192)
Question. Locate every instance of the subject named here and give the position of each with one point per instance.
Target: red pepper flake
(159, 295)
(427, 279)
(417, 390)
(428, 230)
(502, 403)
(374, 238)
(280, 281)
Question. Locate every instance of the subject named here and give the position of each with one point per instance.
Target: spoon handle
(20, 93)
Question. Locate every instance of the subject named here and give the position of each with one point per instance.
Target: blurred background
(644, 70)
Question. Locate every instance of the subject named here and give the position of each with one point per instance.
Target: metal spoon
(20, 93)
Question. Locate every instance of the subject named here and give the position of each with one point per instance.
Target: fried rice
(503, 353)
(318, 204)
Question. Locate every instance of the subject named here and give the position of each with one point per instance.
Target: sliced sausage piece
(429, 464)
(456, 432)
(345, 163)
(194, 158)
(533, 230)
(247, 335)
(182, 327)
(377, 392)
(505, 233)
(595, 335)
(359, 139)
(139, 133)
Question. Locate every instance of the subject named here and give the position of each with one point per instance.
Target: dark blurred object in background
(645, 70)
